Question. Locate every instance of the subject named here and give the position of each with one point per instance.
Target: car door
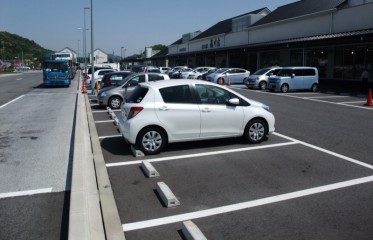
(236, 75)
(297, 79)
(177, 111)
(218, 119)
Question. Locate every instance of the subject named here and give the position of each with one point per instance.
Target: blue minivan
(295, 78)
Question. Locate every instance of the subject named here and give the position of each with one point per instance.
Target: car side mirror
(292, 75)
(233, 101)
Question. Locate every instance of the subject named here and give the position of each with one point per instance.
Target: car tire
(284, 88)
(151, 140)
(256, 131)
(115, 102)
(262, 85)
(315, 87)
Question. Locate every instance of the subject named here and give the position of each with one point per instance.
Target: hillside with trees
(14, 47)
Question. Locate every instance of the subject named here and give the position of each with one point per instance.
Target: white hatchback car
(157, 113)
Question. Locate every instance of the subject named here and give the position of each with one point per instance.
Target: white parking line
(104, 121)
(328, 97)
(244, 205)
(11, 101)
(111, 136)
(319, 100)
(25, 193)
(352, 102)
(201, 154)
(99, 111)
(326, 151)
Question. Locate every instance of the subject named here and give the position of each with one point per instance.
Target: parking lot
(312, 179)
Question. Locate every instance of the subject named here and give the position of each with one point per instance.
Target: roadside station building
(336, 36)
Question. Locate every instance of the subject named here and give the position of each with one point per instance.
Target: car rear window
(176, 94)
(137, 95)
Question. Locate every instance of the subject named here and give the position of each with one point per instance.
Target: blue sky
(133, 25)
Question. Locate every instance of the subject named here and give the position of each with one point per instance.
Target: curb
(93, 211)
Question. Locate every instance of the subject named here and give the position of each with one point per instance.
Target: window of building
(350, 61)
(268, 59)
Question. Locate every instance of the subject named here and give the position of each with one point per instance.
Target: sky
(133, 25)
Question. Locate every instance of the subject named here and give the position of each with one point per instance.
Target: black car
(113, 78)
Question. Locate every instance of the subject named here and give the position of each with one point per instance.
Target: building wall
(353, 18)
(300, 27)
(100, 56)
(236, 39)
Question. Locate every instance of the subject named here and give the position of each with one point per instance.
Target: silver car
(225, 75)
(259, 79)
(113, 96)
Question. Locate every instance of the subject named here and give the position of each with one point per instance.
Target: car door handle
(164, 108)
(206, 110)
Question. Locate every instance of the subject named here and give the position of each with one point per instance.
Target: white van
(295, 78)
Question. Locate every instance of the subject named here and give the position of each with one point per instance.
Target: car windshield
(56, 66)
(285, 73)
(261, 71)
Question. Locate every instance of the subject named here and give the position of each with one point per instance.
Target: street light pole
(92, 53)
(85, 44)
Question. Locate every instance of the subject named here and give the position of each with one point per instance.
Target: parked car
(114, 78)
(174, 69)
(198, 72)
(295, 78)
(181, 73)
(113, 96)
(98, 74)
(88, 78)
(259, 79)
(162, 112)
(164, 69)
(234, 75)
(204, 75)
(144, 68)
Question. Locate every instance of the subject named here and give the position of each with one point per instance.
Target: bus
(57, 69)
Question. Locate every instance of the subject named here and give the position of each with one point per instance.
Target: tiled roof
(298, 9)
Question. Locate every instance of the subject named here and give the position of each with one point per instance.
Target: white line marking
(244, 205)
(112, 136)
(11, 101)
(318, 100)
(200, 154)
(99, 111)
(25, 193)
(19, 79)
(327, 97)
(326, 151)
(352, 102)
(104, 121)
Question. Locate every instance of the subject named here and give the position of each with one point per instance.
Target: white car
(197, 73)
(98, 74)
(157, 113)
(225, 75)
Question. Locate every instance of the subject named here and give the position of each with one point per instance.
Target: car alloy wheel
(115, 102)
(314, 87)
(151, 140)
(263, 85)
(284, 88)
(256, 131)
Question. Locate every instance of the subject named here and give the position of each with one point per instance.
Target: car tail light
(133, 112)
